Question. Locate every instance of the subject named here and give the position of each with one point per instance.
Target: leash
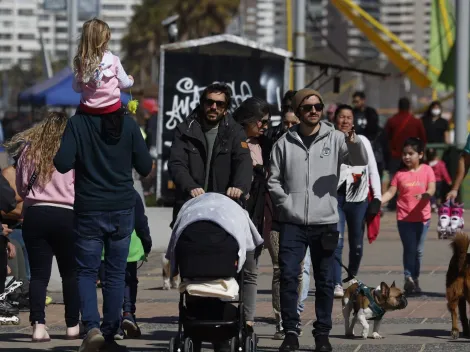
(350, 276)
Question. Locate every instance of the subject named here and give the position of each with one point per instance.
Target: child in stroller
(208, 248)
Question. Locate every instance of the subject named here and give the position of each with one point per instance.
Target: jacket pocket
(322, 210)
(293, 208)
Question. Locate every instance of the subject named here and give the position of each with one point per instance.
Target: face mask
(436, 112)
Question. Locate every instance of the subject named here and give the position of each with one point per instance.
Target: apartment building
(22, 22)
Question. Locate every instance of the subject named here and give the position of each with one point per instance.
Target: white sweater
(357, 177)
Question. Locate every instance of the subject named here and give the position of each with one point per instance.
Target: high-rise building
(22, 22)
(264, 21)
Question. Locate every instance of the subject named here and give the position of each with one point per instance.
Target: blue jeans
(305, 282)
(17, 235)
(413, 235)
(294, 240)
(95, 229)
(353, 214)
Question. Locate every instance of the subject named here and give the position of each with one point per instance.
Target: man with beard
(304, 177)
(209, 151)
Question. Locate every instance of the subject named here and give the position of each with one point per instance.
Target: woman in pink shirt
(416, 185)
(48, 220)
(99, 75)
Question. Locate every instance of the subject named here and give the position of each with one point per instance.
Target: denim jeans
(17, 235)
(95, 229)
(294, 240)
(413, 236)
(305, 284)
(353, 214)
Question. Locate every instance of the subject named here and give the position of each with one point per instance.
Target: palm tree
(198, 18)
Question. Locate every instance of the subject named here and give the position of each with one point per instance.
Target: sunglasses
(308, 107)
(220, 104)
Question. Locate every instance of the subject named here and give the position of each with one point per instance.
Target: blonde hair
(91, 48)
(43, 142)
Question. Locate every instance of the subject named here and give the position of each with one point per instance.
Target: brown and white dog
(354, 301)
(168, 281)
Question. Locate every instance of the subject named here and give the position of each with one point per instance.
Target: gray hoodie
(303, 182)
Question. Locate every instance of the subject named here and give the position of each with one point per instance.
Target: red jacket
(373, 223)
(399, 128)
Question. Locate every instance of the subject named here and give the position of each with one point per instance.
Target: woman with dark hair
(436, 127)
(253, 114)
(353, 204)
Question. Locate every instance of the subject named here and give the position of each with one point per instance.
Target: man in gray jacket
(305, 166)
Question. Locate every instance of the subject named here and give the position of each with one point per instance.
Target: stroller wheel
(172, 347)
(250, 343)
(188, 345)
(233, 345)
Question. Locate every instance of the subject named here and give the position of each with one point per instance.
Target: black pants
(47, 232)
(3, 262)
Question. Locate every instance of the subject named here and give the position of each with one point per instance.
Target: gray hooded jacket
(303, 182)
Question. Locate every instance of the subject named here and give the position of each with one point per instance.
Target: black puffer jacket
(231, 164)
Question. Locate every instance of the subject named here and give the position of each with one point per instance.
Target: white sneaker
(339, 292)
(409, 286)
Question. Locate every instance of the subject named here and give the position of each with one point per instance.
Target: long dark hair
(417, 145)
(251, 110)
(428, 111)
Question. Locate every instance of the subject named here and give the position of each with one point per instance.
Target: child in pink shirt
(416, 184)
(99, 75)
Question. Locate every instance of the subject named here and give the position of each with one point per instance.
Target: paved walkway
(423, 326)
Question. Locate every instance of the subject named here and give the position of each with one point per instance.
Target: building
(264, 21)
(22, 22)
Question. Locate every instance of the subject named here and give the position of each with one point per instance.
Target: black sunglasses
(308, 107)
(220, 104)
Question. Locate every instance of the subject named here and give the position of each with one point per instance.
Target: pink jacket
(104, 88)
(59, 190)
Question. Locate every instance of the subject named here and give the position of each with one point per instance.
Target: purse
(329, 240)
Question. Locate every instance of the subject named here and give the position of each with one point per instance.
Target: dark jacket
(7, 195)
(231, 164)
(372, 128)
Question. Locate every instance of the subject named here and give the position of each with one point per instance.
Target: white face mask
(436, 112)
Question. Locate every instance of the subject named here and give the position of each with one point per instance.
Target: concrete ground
(423, 326)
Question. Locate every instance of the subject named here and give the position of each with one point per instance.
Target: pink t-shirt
(409, 184)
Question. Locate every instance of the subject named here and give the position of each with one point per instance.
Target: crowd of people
(70, 195)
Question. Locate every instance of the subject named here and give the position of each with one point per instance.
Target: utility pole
(72, 9)
(300, 10)
(461, 72)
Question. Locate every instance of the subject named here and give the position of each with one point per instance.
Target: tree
(198, 18)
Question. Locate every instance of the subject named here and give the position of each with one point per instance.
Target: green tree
(198, 18)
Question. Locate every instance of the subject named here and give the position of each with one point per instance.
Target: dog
(168, 281)
(356, 300)
(458, 283)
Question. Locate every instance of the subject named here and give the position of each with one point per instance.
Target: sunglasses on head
(308, 107)
(219, 103)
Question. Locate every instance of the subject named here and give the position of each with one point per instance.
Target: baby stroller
(205, 251)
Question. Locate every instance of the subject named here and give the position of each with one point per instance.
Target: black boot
(322, 344)
(290, 343)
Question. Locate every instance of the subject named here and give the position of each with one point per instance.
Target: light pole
(72, 10)
(300, 10)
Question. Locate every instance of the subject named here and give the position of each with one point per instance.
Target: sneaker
(322, 344)
(339, 292)
(418, 289)
(119, 336)
(290, 343)
(279, 335)
(93, 341)
(112, 346)
(130, 326)
(409, 286)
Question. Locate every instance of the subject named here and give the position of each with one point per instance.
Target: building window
(61, 30)
(44, 29)
(44, 17)
(5, 36)
(26, 36)
(25, 12)
(113, 19)
(61, 41)
(5, 49)
(114, 7)
(61, 18)
(6, 12)
(7, 24)
(5, 61)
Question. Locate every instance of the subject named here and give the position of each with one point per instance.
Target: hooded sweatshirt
(303, 181)
(103, 150)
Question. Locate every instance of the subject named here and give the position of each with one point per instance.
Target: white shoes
(40, 333)
(339, 291)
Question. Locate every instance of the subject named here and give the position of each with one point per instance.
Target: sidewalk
(423, 326)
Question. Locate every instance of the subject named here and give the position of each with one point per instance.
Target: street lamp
(171, 27)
